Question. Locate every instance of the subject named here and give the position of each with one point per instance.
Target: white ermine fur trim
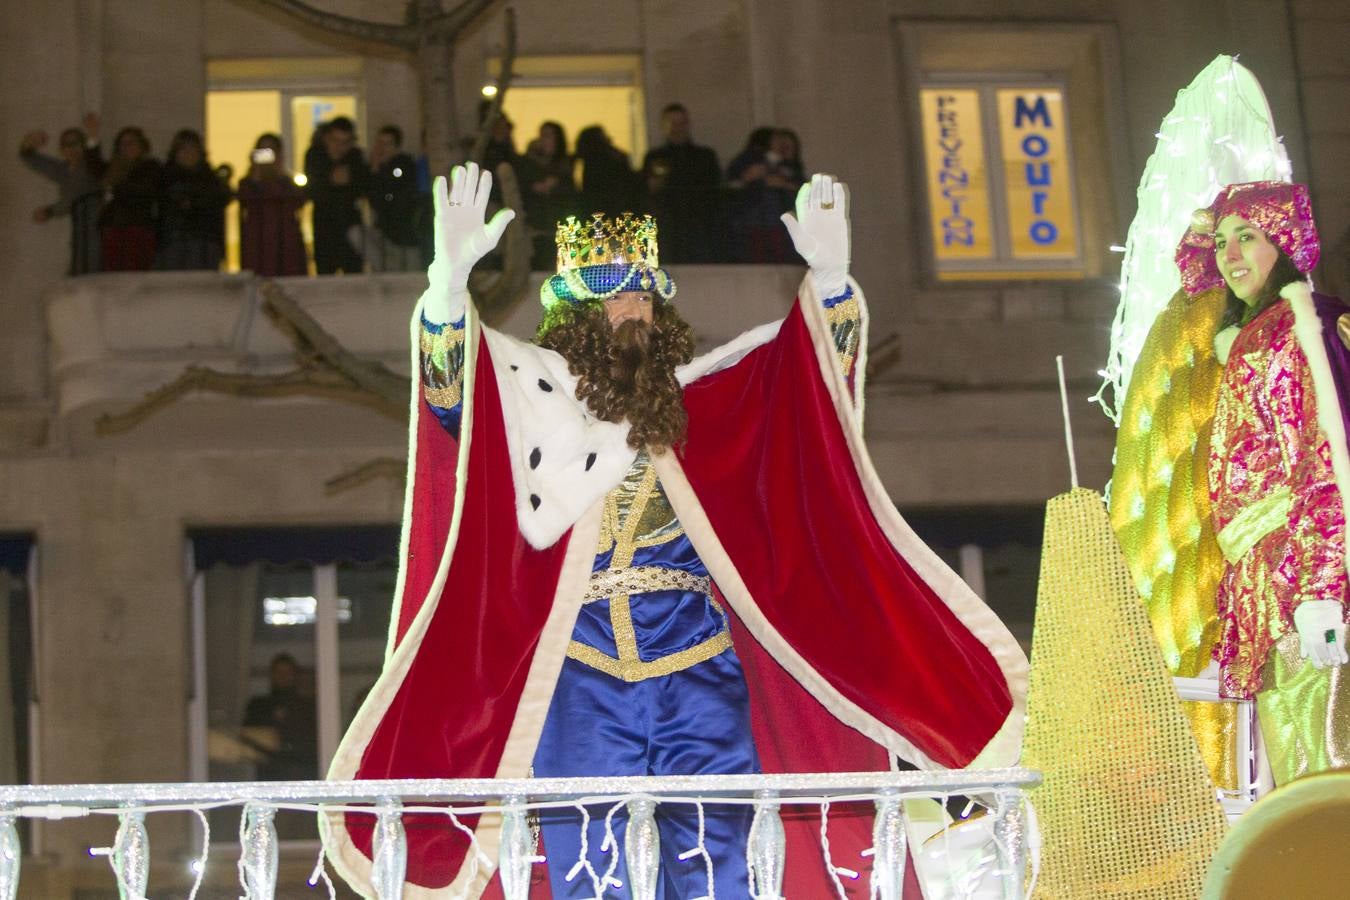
(1308, 331)
(1223, 343)
(563, 459)
(728, 354)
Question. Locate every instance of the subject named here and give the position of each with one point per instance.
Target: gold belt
(642, 579)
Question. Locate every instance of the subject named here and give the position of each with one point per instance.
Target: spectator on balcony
(79, 194)
(764, 178)
(394, 244)
(549, 191)
(684, 180)
(270, 201)
(337, 179)
(608, 183)
(128, 220)
(192, 207)
(501, 143)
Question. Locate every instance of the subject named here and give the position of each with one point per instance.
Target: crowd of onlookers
(129, 211)
(704, 214)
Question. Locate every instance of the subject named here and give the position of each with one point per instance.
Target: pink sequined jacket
(1278, 498)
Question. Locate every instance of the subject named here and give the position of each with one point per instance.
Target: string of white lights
(257, 866)
(1220, 131)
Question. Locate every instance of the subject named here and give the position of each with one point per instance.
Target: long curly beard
(626, 372)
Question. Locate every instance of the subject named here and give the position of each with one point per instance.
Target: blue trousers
(692, 722)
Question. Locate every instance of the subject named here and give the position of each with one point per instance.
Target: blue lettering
(1043, 232)
(1038, 174)
(1038, 110)
(1034, 145)
(957, 231)
(1038, 199)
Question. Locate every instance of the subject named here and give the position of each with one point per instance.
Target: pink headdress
(1279, 209)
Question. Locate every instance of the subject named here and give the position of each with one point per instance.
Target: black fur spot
(534, 458)
(545, 386)
(534, 500)
(590, 461)
(515, 368)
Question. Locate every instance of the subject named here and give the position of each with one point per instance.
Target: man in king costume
(617, 560)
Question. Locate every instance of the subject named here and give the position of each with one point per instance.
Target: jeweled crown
(627, 239)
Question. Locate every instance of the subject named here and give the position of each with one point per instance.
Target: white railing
(994, 866)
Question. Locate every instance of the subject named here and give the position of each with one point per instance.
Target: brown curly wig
(628, 372)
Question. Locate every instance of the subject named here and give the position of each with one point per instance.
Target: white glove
(462, 239)
(820, 233)
(1316, 620)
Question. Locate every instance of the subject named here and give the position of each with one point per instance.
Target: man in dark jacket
(337, 178)
(683, 179)
(394, 240)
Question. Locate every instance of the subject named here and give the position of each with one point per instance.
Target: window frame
(1087, 56)
(1002, 264)
(324, 578)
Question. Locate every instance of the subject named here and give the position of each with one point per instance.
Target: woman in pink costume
(1279, 473)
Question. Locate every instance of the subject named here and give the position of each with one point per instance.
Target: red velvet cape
(854, 645)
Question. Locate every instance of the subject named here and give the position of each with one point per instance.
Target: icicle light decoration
(1219, 132)
(634, 850)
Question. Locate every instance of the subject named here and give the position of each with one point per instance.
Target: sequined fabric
(442, 364)
(1282, 211)
(1160, 504)
(1304, 714)
(1266, 440)
(1126, 807)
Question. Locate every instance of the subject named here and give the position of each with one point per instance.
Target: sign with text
(1034, 145)
(958, 184)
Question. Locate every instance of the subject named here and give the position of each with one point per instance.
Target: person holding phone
(270, 243)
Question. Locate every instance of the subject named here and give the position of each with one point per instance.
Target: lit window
(576, 92)
(999, 172)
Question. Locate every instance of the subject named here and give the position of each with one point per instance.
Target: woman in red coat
(270, 243)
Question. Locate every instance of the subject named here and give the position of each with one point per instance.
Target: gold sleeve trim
(444, 397)
(847, 311)
(431, 342)
(844, 320)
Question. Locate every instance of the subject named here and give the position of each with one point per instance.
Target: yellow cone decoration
(1127, 808)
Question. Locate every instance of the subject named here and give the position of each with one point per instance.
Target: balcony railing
(990, 860)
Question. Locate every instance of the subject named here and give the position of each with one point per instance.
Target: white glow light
(285, 611)
(1185, 173)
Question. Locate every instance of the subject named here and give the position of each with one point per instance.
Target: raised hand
(820, 232)
(462, 236)
(33, 140)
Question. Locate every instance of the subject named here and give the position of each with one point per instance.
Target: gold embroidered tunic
(1275, 504)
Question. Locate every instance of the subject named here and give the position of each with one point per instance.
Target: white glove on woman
(462, 239)
(820, 233)
(1316, 621)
